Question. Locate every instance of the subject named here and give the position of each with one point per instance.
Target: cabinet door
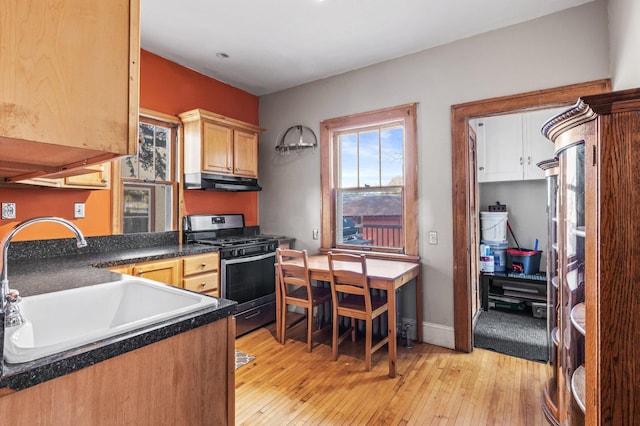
(69, 83)
(245, 153)
(536, 147)
(499, 148)
(164, 271)
(217, 148)
(126, 269)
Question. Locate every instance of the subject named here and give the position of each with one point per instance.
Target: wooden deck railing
(383, 235)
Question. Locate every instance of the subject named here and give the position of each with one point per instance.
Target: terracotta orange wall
(57, 202)
(172, 89)
(165, 87)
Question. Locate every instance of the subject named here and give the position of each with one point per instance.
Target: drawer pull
(203, 284)
(203, 265)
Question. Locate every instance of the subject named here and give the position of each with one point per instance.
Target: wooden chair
(352, 298)
(296, 289)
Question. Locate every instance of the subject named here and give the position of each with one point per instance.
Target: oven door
(250, 281)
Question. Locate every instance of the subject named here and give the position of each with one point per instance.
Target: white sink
(63, 320)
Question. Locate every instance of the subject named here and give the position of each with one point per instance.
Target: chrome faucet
(10, 298)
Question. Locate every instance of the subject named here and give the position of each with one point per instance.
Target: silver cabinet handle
(521, 161)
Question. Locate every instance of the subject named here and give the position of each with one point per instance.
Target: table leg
(419, 305)
(391, 300)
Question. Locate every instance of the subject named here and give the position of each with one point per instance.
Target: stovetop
(228, 233)
(233, 240)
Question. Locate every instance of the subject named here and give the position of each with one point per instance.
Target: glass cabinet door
(571, 273)
(550, 396)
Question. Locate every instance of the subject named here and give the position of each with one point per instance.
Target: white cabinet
(510, 146)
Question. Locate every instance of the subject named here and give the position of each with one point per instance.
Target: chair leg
(367, 354)
(309, 326)
(353, 329)
(283, 322)
(334, 338)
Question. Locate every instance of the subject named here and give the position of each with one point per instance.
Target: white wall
(624, 24)
(526, 203)
(564, 48)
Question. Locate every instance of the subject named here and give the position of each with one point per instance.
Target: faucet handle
(13, 296)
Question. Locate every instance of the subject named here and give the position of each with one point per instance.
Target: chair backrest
(293, 269)
(348, 274)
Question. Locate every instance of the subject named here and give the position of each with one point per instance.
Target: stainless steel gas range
(247, 271)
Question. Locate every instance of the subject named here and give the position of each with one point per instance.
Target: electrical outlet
(315, 234)
(8, 210)
(433, 237)
(78, 210)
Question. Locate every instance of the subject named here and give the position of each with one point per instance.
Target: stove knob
(234, 253)
(242, 252)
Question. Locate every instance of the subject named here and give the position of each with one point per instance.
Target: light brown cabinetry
(69, 87)
(97, 176)
(200, 273)
(186, 379)
(164, 271)
(598, 150)
(217, 144)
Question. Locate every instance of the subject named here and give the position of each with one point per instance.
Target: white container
(498, 251)
(493, 226)
(486, 264)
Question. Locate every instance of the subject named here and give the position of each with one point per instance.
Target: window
(369, 181)
(147, 179)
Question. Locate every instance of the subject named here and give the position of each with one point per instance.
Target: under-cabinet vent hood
(214, 182)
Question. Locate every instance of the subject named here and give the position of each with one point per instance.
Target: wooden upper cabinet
(69, 86)
(217, 144)
(217, 148)
(96, 176)
(245, 153)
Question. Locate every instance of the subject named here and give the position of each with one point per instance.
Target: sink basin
(63, 320)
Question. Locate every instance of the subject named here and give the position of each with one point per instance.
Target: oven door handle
(248, 258)
(253, 314)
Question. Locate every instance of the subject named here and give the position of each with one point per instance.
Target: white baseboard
(434, 334)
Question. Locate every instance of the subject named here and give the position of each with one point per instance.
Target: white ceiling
(277, 44)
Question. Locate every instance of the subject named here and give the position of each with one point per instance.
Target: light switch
(78, 210)
(433, 237)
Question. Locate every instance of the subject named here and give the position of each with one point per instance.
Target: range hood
(215, 182)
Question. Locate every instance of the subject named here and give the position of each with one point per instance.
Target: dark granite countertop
(45, 272)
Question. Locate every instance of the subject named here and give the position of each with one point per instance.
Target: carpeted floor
(242, 359)
(513, 333)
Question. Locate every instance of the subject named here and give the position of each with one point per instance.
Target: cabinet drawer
(201, 283)
(200, 263)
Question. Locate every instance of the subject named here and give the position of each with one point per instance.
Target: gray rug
(513, 333)
(242, 359)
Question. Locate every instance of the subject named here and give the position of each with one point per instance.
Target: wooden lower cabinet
(164, 271)
(186, 379)
(199, 272)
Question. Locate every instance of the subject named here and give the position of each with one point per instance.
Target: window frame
(117, 190)
(328, 163)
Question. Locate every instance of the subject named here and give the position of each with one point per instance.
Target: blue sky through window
(373, 157)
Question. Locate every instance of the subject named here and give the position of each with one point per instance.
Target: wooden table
(387, 275)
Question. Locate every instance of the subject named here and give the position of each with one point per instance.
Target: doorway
(464, 195)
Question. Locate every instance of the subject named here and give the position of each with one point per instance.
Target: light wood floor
(286, 385)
